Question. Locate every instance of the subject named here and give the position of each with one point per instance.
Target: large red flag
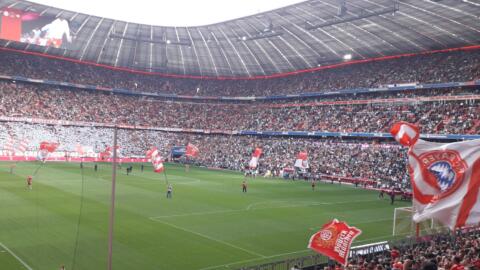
(191, 150)
(445, 178)
(48, 146)
(334, 240)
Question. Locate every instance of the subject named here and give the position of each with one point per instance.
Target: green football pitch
(208, 224)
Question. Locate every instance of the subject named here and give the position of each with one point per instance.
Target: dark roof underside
(218, 49)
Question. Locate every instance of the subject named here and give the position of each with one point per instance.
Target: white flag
(445, 178)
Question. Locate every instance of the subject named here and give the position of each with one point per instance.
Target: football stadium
(240, 135)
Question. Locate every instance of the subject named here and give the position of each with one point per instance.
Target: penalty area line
(16, 257)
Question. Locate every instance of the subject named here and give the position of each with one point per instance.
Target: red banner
(191, 150)
(334, 240)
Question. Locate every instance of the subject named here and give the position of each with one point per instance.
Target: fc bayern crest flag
(334, 240)
(445, 178)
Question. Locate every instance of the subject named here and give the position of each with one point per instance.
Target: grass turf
(209, 223)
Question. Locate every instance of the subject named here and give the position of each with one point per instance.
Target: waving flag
(157, 161)
(445, 178)
(191, 150)
(255, 157)
(45, 149)
(334, 240)
(302, 160)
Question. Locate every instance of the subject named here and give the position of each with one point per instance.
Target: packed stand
(47, 102)
(423, 68)
(459, 251)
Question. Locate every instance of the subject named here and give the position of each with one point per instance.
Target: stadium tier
(456, 66)
(237, 145)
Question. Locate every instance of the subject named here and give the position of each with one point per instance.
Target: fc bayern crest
(444, 170)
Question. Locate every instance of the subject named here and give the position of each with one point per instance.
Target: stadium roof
(297, 37)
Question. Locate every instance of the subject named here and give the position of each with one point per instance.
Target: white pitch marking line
(16, 257)
(210, 238)
(198, 213)
(363, 222)
(250, 208)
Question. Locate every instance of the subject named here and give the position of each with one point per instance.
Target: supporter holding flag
(302, 160)
(45, 149)
(191, 151)
(445, 178)
(157, 161)
(253, 164)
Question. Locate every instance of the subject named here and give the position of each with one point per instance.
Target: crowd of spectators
(437, 252)
(424, 68)
(435, 117)
(366, 160)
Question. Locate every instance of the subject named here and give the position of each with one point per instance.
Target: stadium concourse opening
(341, 126)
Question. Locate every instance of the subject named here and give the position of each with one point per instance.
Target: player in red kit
(29, 182)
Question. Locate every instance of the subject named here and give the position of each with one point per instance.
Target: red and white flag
(157, 161)
(445, 178)
(334, 240)
(255, 157)
(302, 160)
(191, 150)
(45, 149)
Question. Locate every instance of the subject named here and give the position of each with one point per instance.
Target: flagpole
(165, 174)
(112, 204)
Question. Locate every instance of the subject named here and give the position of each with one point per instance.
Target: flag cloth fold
(255, 157)
(445, 178)
(334, 240)
(191, 150)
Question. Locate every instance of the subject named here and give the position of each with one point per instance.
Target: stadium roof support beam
(364, 14)
(139, 39)
(376, 36)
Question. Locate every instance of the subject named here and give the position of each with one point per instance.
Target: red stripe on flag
(471, 196)
(419, 196)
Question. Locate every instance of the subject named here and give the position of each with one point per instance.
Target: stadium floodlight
(168, 41)
(347, 56)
